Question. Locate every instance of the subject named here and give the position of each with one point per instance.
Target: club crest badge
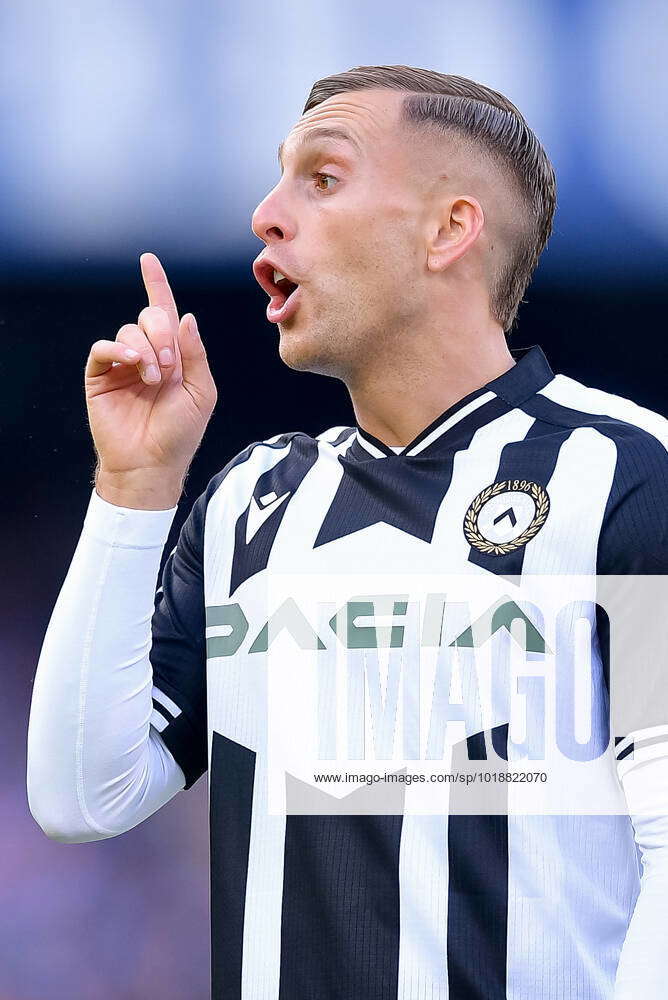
(505, 516)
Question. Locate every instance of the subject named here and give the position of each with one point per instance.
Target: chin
(296, 350)
(301, 351)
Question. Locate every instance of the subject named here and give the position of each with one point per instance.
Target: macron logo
(259, 511)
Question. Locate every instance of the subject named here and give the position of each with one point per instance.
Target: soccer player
(411, 211)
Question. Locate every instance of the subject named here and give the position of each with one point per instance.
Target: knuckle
(128, 330)
(153, 315)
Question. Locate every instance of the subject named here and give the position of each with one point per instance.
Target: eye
(321, 182)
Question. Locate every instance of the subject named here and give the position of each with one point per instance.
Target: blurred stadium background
(149, 125)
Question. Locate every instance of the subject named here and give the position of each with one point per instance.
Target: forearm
(643, 966)
(95, 766)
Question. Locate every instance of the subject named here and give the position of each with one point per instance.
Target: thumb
(197, 377)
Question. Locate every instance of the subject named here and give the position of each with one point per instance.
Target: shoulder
(634, 530)
(639, 435)
(288, 455)
(570, 403)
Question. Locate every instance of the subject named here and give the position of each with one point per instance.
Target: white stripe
(371, 448)
(563, 929)
(622, 745)
(451, 421)
(645, 790)
(294, 543)
(568, 392)
(423, 904)
(642, 755)
(578, 490)
(640, 735)
(346, 445)
(158, 721)
(260, 973)
(474, 469)
(423, 856)
(565, 545)
(227, 504)
(166, 702)
(236, 697)
(332, 433)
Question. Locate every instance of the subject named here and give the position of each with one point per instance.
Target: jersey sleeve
(178, 649)
(633, 551)
(632, 569)
(634, 532)
(632, 572)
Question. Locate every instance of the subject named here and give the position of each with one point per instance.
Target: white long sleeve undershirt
(96, 767)
(642, 972)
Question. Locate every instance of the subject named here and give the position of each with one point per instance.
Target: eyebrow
(324, 132)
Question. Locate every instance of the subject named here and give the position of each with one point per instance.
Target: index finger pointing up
(157, 287)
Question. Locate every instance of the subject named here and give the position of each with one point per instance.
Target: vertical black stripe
(478, 878)
(340, 921)
(284, 477)
(232, 775)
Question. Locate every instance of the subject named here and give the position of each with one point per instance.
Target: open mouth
(284, 286)
(281, 288)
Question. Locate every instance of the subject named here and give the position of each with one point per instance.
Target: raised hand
(149, 396)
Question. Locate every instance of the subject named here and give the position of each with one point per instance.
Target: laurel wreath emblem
(473, 534)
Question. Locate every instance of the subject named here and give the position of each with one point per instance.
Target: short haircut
(458, 105)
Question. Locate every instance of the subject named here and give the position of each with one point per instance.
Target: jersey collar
(530, 373)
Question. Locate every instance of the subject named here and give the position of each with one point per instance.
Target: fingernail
(165, 356)
(130, 354)
(193, 326)
(151, 373)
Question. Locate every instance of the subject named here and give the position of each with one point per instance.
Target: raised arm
(100, 726)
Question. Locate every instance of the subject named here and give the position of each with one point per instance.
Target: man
(410, 214)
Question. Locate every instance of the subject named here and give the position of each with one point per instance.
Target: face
(344, 226)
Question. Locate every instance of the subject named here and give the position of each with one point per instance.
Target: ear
(454, 230)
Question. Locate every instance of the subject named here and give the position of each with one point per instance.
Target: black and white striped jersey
(530, 474)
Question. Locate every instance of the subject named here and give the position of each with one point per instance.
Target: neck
(406, 388)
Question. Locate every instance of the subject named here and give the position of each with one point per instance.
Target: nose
(272, 220)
